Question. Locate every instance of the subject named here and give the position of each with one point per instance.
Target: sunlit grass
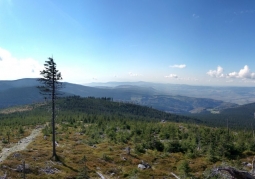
(107, 157)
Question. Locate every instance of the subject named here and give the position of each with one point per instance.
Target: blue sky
(194, 42)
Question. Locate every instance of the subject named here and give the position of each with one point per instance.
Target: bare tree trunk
(175, 176)
(54, 155)
(24, 169)
(199, 143)
(227, 128)
(237, 173)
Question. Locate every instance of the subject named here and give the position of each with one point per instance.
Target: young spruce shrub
(183, 168)
(139, 149)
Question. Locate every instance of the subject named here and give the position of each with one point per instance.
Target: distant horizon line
(83, 84)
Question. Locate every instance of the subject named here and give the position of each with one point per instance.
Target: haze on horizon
(170, 41)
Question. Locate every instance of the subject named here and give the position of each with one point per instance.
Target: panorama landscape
(117, 89)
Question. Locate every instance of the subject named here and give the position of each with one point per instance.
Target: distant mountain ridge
(24, 91)
(238, 95)
(26, 82)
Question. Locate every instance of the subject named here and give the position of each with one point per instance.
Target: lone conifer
(50, 85)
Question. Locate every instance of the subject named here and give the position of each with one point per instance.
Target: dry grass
(20, 108)
(107, 158)
(14, 137)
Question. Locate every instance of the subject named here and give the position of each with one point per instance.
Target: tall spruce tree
(50, 86)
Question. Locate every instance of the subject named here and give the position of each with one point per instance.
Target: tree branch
(175, 175)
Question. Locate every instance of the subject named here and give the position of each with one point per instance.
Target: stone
(141, 166)
(19, 168)
(17, 155)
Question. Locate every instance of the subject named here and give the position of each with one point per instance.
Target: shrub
(139, 148)
(173, 146)
(183, 168)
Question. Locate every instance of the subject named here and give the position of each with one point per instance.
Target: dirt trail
(21, 145)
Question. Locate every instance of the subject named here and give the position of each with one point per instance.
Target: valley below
(179, 99)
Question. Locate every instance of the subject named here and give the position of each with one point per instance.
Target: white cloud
(244, 73)
(218, 73)
(12, 68)
(232, 75)
(178, 66)
(171, 76)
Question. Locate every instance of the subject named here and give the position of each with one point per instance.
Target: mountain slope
(183, 104)
(26, 82)
(237, 117)
(19, 96)
(143, 95)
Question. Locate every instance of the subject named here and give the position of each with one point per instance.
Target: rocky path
(21, 145)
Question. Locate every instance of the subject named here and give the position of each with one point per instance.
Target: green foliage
(83, 173)
(102, 119)
(191, 154)
(4, 141)
(21, 130)
(183, 168)
(46, 131)
(139, 149)
(96, 121)
(106, 158)
(210, 154)
(173, 147)
(154, 144)
(239, 117)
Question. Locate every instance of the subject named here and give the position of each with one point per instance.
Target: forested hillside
(19, 96)
(24, 91)
(100, 136)
(95, 107)
(241, 117)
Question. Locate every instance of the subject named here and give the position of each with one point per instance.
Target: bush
(173, 146)
(183, 168)
(83, 174)
(106, 158)
(21, 130)
(4, 141)
(159, 146)
(139, 148)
